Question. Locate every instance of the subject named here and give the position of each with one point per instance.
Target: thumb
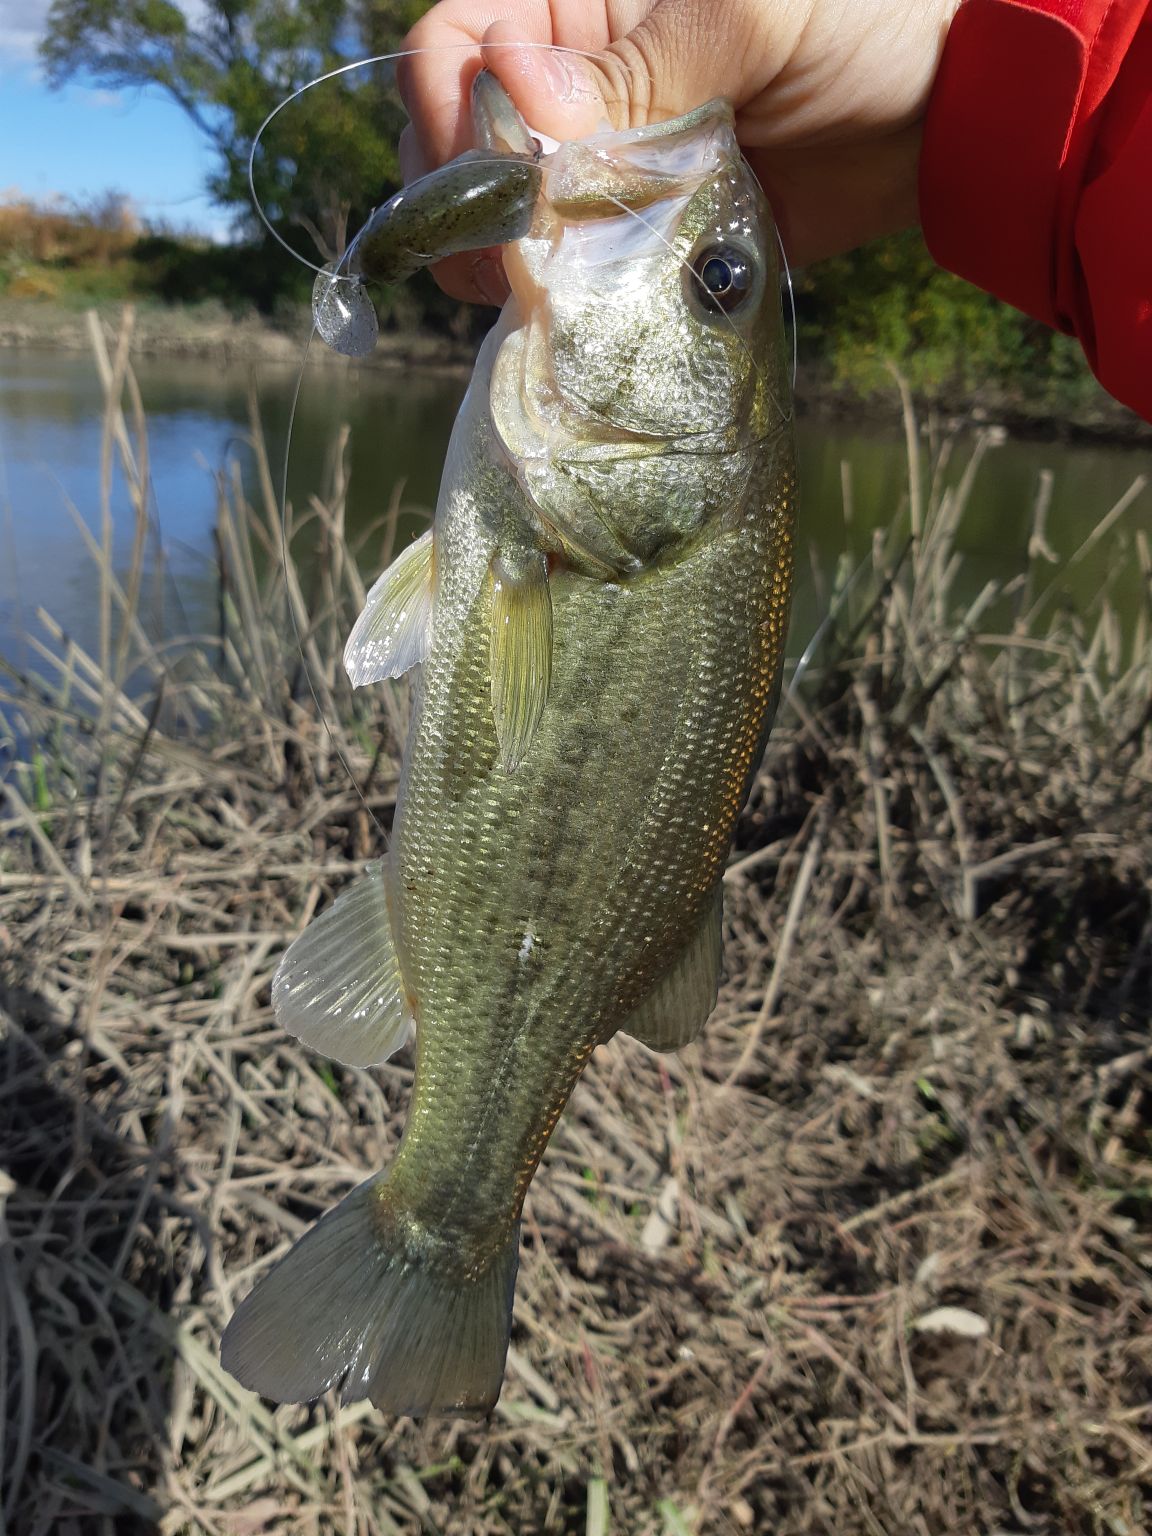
(679, 55)
(557, 91)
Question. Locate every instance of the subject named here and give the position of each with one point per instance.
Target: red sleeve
(1036, 171)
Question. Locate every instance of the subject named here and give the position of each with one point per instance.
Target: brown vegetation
(927, 1086)
(61, 231)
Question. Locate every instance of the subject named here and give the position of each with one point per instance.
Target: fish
(594, 628)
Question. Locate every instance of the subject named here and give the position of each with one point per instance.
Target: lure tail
(361, 1302)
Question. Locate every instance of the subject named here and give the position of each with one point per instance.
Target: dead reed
(872, 1258)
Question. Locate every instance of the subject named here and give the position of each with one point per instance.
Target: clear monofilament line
(346, 69)
(350, 282)
(823, 628)
(290, 588)
(787, 267)
(785, 416)
(337, 275)
(791, 297)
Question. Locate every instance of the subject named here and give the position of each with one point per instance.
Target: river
(50, 434)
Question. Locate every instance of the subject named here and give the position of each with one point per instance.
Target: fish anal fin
(392, 633)
(677, 1008)
(338, 987)
(521, 650)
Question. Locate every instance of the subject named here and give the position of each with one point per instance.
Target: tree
(326, 159)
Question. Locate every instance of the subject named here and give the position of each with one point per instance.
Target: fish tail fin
(361, 1302)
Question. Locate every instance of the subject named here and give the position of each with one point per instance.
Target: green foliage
(330, 156)
(258, 276)
(95, 254)
(890, 302)
(326, 160)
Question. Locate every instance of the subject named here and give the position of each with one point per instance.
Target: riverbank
(873, 1255)
(1023, 410)
(213, 331)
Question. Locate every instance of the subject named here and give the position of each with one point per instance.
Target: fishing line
(791, 295)
(785, 416)
(285, 552)
(284, 562)
(823, 627)
(334, 273)
(787, 275)
(382, 58)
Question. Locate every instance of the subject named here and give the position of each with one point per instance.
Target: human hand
(829, 96)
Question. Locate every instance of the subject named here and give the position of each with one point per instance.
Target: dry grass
(927, 1084)
(62, 231)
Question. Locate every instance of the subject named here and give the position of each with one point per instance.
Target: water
(50, 430)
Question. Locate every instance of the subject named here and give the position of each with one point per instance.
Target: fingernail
(569, 84)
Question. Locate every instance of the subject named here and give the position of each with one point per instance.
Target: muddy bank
(211, 331)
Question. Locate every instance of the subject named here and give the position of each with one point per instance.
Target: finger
(476, 277)
(683, 53)
(557, 93)
(678, 55)
(434, 85)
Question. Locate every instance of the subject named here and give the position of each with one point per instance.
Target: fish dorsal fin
(338, 987)
(676, 1009)
(392, 633)
(521, 650)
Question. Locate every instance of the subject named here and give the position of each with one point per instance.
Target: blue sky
(79, 142)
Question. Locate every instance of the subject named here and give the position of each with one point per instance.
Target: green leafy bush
(890, 302)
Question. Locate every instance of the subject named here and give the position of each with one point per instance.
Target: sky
(79, 141)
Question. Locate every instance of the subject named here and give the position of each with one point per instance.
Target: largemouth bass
(596, 622)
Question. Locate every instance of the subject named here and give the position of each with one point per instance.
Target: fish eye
(723, 278)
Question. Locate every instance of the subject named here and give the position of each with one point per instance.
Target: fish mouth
(567, 408)
(606, 202)
(572, 464)
(630, 169)
(641, 179)
(543, 434)
(536, 418)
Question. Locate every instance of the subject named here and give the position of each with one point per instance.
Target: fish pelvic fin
(369, 1302)
(521, 650)
(392, 633)
(338, 987)
(677, 1008)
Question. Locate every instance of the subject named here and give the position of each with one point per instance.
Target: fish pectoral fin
(338, 987)
(677, 1008)
(521, 650)
(392, 633)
